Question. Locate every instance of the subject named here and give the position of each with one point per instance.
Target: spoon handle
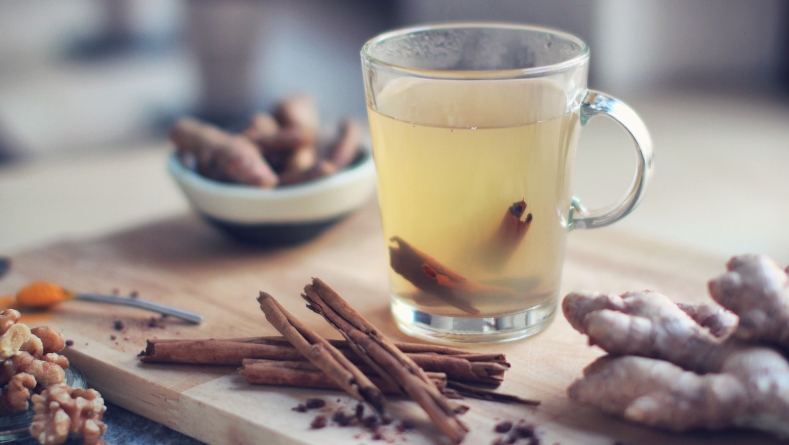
(190, 317)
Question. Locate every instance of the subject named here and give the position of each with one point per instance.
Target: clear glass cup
(474, 130)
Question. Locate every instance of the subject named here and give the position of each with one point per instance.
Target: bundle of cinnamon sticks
(365, 363)
(458, 365)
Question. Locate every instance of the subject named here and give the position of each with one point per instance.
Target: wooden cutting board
(182, 262)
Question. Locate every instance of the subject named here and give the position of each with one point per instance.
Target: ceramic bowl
(282, 215)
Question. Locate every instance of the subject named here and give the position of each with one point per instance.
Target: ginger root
(686, 367)
(220, 155)
(274, 150)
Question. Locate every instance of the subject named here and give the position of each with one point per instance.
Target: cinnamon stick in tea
(322, 354)
(513, 228)
(508, 236)
(410, 263)
(428, 275)
(385, 358)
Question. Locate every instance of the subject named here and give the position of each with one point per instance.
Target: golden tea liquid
(452, 159)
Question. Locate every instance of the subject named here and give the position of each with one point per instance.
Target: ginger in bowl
(278, 182)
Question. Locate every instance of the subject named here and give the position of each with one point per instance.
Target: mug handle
(597, 103)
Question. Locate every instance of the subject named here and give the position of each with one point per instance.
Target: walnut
(29, 361)
(45, 372)
(51, 340)
(18, 337)
(15, 397)
(8, 318)
(61, 410)
(57, 359)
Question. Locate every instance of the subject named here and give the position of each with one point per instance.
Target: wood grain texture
(184, 263)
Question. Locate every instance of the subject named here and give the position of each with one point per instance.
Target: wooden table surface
(111, 219)
(182, 262)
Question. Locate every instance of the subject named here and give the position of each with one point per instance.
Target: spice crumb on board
(315, 402)
(154, 322)
(525, 430)
(512, 433)
(69, 342)
(381, 428)
(118, 325)
(503, 427)
(318, 422)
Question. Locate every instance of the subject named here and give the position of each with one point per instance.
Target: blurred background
(91, 84)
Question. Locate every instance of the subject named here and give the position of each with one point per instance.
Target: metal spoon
(42, 294)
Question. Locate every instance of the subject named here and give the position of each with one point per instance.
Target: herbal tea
(474, 187)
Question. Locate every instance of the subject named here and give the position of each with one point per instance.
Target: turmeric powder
(42, 293)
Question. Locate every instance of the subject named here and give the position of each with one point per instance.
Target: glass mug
(474, 131)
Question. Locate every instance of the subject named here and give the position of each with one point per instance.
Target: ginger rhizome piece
(220, 155)
(757, 290)
(61, 410)
(273, 150)
(685, 367)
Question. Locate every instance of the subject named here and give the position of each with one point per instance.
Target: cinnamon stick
(508, 236)
(512, 228)
(407, 347)
(215, 352)
(322, 354)
(428, 275)
(410, 263)
(305, 375)
(484, 394)
(387, 360)
(464, 366)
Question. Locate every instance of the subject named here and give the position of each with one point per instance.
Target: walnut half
(14, 398)
(61, 410)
